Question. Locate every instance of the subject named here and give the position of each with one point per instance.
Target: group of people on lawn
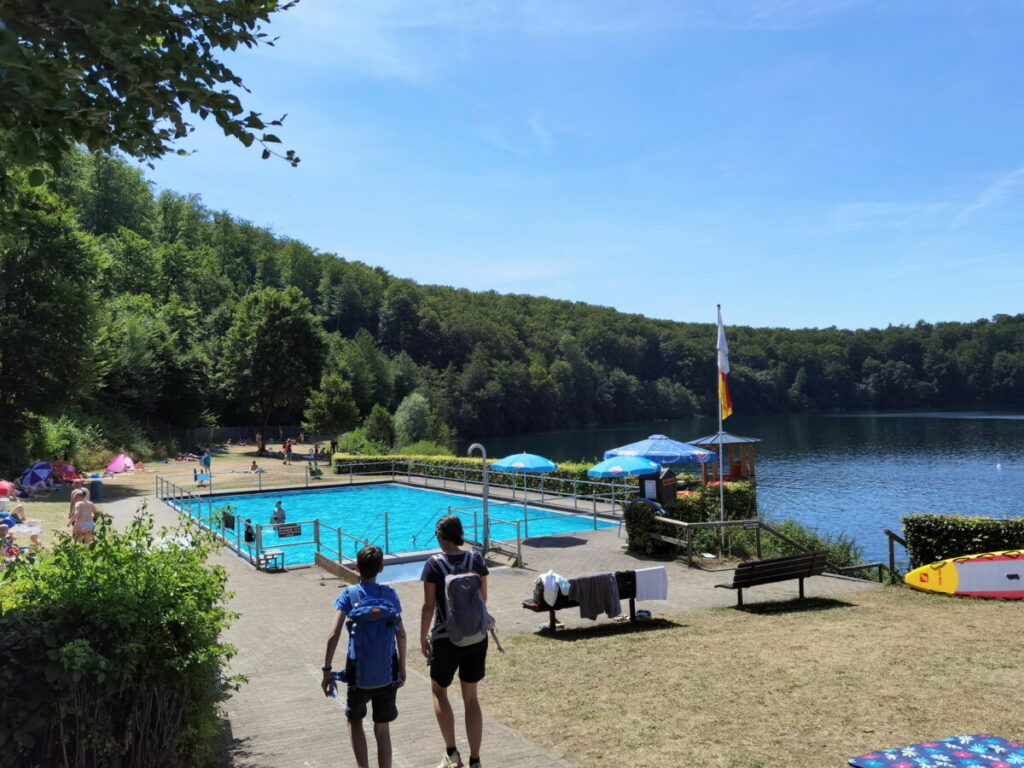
(444, 656)
(81, 520)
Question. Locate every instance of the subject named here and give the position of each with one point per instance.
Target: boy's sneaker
(454, 760)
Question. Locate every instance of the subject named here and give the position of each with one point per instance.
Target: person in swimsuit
(16, 517)
(84, 520)
(75, 486)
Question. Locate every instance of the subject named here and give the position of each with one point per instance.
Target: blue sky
(805, 163)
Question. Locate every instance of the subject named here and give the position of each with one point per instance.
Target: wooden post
(689, 547)
(757, 538)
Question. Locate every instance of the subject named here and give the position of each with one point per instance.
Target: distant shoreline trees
(187, 317)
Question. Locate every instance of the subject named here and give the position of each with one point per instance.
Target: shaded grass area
(795, 684)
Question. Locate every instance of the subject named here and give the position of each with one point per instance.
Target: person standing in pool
(277, 516)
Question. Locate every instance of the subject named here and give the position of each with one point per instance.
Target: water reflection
(852, 473)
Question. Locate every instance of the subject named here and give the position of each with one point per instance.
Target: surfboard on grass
(992, 574)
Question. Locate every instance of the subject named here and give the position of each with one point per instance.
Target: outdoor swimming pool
(412, 514)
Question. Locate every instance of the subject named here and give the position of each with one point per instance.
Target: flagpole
(721, 455)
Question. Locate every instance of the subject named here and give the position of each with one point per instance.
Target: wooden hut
(739, 457)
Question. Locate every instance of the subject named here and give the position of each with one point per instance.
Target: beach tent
(121, 463)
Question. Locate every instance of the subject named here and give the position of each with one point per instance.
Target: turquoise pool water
(412, 514)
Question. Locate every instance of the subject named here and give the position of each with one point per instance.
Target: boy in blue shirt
(370, 562)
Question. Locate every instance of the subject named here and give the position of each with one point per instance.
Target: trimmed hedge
(455, 467)
(937, 537)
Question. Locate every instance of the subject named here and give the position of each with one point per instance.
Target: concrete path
(281, 719)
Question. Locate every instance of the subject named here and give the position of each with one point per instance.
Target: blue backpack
(372, 626)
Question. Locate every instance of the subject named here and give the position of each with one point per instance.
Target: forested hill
(116, 297)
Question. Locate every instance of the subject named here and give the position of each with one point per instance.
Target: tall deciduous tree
(273, 352)
(330, 408)
(380, 426)
(412, 420)
(47, 309)
(124, 75)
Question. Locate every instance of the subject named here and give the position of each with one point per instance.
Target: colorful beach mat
(979, 750)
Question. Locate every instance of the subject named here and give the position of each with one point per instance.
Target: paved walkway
(280, 719)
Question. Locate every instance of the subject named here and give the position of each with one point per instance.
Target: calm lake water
(846, 473)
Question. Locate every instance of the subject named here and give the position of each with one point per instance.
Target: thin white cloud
(413, 40)
(994, 194)
(540, 131)
(895, 215)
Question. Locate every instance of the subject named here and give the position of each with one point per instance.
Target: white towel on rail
(652, 583)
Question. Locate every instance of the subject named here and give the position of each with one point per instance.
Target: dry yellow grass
(785, 685)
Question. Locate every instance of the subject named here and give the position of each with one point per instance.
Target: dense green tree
(330, 409)
(47, 309)
(117, 196)
(412, 420)
(130, 264)
(380, 426)
(123, 76)
(131, 352)
(273, 353)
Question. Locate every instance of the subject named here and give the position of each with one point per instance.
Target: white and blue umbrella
(663, 450)
(39, 472)
(528, 463)
(624, 466)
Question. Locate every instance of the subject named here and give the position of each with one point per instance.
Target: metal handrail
(894, 539)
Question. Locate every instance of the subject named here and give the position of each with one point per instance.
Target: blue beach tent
(663, 450)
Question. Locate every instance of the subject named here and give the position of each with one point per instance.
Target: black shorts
(384, 708)
(446, 657)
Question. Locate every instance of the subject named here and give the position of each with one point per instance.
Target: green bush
(113, 656)
(937, 537)
(702, 505)
(842, 550)
(426, 448)
(356, 442)
(90, 441)
(740, 504)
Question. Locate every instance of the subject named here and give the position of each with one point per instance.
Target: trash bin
(667, 486)
(96, 490)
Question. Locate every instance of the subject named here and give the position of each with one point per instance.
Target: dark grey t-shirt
(433, 574)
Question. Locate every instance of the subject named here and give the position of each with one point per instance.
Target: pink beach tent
(121, 463)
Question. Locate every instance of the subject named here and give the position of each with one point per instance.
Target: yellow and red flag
(724, 399)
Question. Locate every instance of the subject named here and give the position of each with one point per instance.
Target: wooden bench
(776, 569)
(627, 590)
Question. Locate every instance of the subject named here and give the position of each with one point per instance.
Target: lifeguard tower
(739, 457)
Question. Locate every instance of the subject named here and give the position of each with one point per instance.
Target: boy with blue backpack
(375, 662)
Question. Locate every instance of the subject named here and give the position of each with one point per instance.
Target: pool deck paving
(280, 718)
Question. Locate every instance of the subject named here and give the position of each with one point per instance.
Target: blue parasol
(39, 472)
(624, 466)
(663, 450)
(529, 463)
